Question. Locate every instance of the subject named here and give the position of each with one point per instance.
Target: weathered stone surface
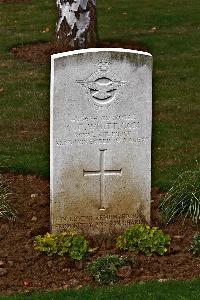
(100, 140)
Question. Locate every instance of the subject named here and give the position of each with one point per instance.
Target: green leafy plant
(104, 269)
(6, 211)
(183, 198)
(195, 246)
(143, 238)
(66, 243)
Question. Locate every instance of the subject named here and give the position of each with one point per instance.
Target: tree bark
(76, 25)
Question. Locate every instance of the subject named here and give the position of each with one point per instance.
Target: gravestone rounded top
(96, 50)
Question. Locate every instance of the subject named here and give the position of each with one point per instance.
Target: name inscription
(102, 130)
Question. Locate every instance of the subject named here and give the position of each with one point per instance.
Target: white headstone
(101, 115)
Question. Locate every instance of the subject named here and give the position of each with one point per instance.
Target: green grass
(175, 45)
(174, 290)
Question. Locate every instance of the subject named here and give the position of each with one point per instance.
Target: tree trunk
(76, 25)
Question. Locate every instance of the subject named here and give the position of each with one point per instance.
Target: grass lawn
(175, 290)
(175, 45)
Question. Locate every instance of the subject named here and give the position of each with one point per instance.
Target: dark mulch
(40, 52)
(29, 270)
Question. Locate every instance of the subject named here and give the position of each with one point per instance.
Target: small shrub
(104, 269)
(72, 244)
(145, 239)
(6, 211)
(183, 198)
(195, 246)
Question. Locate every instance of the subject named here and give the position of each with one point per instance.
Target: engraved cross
(102, 173)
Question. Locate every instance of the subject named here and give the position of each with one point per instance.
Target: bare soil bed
(26, 269)
(40, 52)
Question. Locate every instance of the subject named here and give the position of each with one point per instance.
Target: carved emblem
(103, 86)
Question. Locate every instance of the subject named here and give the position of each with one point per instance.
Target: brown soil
(41, 52)
(27, 269)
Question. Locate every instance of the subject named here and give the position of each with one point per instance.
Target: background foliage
(183, 198)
